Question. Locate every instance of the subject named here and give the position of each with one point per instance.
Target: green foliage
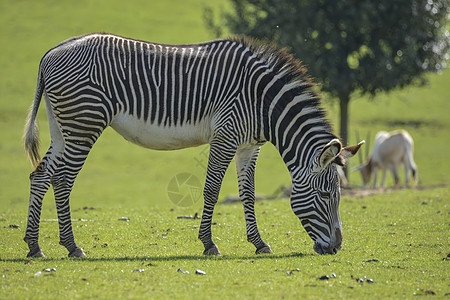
(363, 46)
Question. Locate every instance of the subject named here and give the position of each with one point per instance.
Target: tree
(349, 46)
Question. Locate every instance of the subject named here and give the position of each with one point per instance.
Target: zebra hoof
(78, 252)
(264, 250)
(212, 251)
(37, 253)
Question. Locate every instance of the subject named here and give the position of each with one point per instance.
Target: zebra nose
(325, 249)
(333, 246)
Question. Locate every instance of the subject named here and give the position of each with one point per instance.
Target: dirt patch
(285, 192)
(360, 192)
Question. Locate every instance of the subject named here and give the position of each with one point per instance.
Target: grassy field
(400, 247)
(399, 239)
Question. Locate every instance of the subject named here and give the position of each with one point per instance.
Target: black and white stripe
(234, 94)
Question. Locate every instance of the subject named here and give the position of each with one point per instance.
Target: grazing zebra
(234, 94)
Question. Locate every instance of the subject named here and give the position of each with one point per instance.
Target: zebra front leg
(210, 194)
(245, 167)
(220, 156)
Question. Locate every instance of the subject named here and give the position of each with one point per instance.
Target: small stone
(183, 272)
(324, 277)
(200, 272)
(39, 273)
(49, 270)
(292, 271)
(138, 270)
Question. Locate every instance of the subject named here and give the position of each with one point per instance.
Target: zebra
(234, 94)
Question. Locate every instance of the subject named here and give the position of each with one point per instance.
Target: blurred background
(379, 66)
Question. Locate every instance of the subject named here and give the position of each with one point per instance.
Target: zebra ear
(329, 152)
(349, 151)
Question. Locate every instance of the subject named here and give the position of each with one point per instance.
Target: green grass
(398, 239)
(401, 247)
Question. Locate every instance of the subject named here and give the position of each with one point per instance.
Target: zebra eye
(325, 195)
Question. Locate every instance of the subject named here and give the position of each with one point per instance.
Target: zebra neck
(296, 127)
(303, 148)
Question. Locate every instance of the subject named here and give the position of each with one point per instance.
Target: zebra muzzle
(331, 248)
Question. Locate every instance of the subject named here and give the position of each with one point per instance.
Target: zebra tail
(31, 132)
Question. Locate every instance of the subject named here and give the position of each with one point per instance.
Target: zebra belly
(160, 137)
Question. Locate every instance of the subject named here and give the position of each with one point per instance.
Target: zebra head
(316, 194)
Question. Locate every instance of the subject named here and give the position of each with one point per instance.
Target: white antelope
(391, 150)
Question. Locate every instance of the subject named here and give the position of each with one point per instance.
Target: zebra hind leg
(245, 167)
(220, 156)
(72, 161)
(39, 184)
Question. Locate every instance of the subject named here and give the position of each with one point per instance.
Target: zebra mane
(279, 60)
(292, 72)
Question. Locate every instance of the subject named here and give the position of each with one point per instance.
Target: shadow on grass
(166, 258)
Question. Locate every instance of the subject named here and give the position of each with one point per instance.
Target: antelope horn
(357, 168)
(369, 138)
(349, 151)
(359, 153)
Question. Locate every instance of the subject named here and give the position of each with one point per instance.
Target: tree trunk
(344, 100)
